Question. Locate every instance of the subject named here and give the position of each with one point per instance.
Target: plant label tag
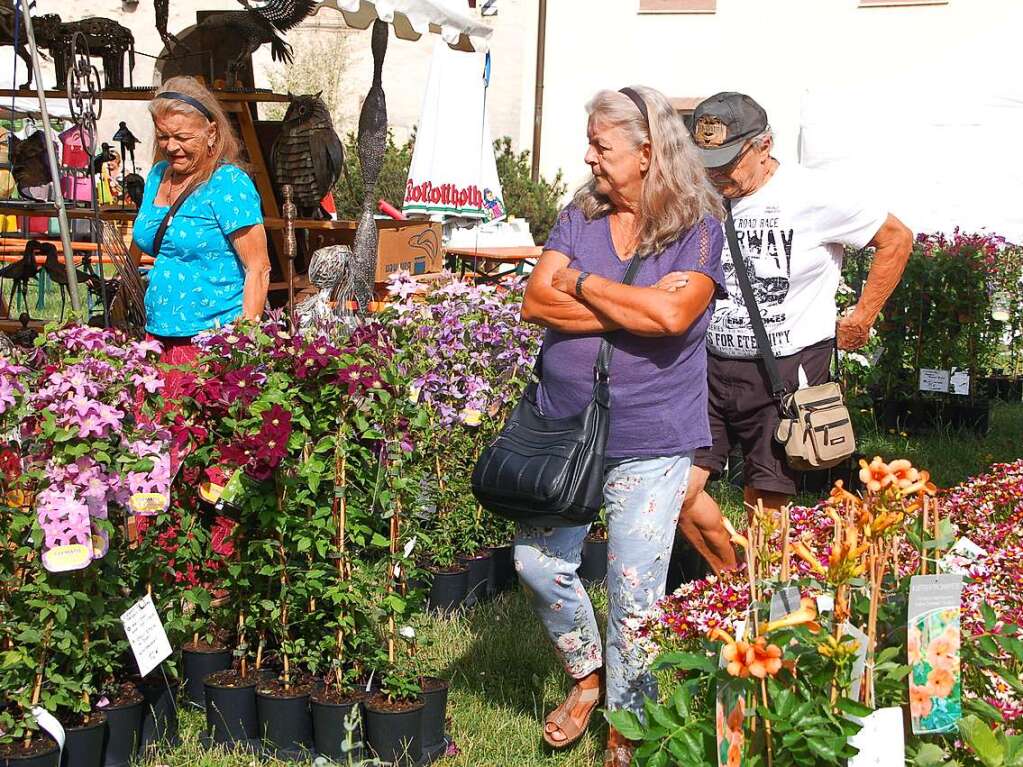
(63, 559)
(959, 382)
(860, 662)
(49, 724)
(146, 635)
(148, 504)
(881, 742)
(961, 557)
(934, 380)
(784, 602)
(730, 713)
(933, 645)
(825, 603)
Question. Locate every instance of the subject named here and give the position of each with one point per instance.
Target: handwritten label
(882, 742)
(961, 557)
(934, 380)
(959, 383)
(146, 635)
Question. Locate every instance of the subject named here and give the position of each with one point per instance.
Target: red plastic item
(389, 210)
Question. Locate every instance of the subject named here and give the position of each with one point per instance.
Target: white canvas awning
(412, 19)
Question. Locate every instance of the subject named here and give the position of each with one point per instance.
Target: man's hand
(853, 332)
(672, 282)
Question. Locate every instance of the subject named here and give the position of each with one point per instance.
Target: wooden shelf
(146, 94)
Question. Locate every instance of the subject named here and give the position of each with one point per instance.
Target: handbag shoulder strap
(756, 320)
(162, 230)
(602, 369)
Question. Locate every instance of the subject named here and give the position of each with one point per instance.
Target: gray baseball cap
(723, 123)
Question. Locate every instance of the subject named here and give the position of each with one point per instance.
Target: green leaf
(983, 742)
(684, 661)
(983, 709)
(849, 706)
(626, 722)
(929, 755)
(988, 614)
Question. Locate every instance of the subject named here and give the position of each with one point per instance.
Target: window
(871, 3)
(677, 6)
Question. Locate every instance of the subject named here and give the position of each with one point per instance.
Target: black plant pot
(480, 574)
(396, 736)
(435, 712)
(83, 746)
(123, 733)
(285, 725)
(504, 568)
(231, 715)
(593, 568)
(448, 589)
(47, 758)
(196, 666)
(329, 733)
(159, 713)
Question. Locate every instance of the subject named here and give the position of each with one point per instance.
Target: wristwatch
(579, 284)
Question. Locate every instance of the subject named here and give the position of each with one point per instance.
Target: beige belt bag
(815, 428)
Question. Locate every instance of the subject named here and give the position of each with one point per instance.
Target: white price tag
(48, 722)
(145, 633)
(959, 383)
(881, 742)
(934, 380)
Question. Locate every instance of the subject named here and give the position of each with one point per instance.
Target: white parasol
(412, 19)
(453, 171)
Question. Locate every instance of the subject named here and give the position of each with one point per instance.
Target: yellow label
(210, 492)
(148, 503)
(60, 559)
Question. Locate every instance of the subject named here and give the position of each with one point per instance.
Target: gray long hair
(676, 191)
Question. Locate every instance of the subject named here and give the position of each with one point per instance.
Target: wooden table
(505, 261)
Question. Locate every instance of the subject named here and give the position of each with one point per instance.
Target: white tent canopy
(412, 19)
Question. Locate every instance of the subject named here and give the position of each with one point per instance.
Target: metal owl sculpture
(256, 26)
(372, 143)
(307, 154)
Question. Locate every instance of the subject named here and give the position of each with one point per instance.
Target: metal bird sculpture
(372, 143)
(257, 26)
(55, 271)
(307, 154)
(21, 272)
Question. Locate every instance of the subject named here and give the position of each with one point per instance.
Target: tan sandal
(561, 716)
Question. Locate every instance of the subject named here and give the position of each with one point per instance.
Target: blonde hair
(226, 148)
(676, 191)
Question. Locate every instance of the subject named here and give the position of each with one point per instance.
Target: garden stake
(767, 725)
(923, 535)
(786, 551)
(37, 688)
(241, 644)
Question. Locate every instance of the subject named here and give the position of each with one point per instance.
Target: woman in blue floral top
(212, 267)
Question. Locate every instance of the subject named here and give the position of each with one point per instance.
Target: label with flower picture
(730, 713)
(62, 559)
(933, 645)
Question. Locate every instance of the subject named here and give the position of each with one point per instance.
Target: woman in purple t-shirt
(649, 198)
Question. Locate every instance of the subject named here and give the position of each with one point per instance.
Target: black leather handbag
(549, 472)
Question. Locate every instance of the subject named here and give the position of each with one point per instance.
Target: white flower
(413, 393)
(407, 632)
(471, 416)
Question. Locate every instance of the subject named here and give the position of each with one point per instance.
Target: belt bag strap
(759, 331)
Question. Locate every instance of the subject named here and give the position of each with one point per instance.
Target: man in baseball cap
(792, 224)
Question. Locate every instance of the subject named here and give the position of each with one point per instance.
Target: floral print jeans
(642, 499)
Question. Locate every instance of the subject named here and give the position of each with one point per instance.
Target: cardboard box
(412, 246)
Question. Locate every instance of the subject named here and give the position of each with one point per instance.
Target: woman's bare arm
(250, 245)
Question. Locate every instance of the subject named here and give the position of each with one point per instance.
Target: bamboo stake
(767, 725)
(925, 511)
(242, 663)
(786, 548)
(37, 688)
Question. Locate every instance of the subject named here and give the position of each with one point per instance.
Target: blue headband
(174, 95)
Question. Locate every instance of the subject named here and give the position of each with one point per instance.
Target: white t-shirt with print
(791, 233)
